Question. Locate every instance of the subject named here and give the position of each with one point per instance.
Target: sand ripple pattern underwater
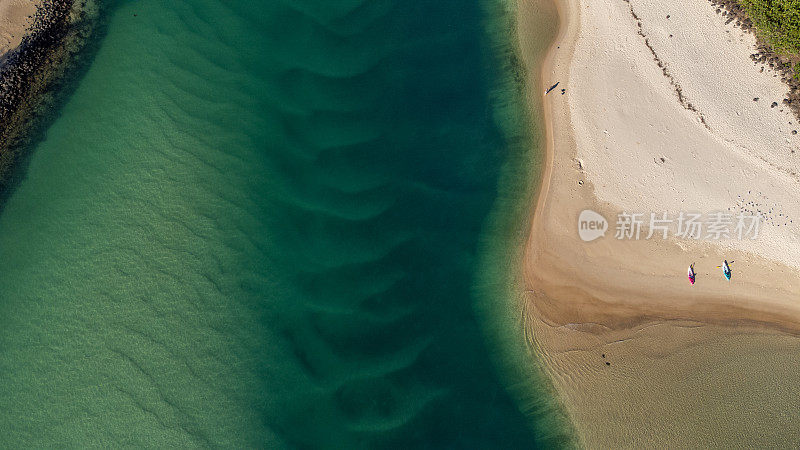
(254, 224)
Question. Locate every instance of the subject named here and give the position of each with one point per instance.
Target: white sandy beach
(621, 138)
(14, 21)
(626, 116)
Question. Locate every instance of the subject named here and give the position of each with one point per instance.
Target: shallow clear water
(257, 224)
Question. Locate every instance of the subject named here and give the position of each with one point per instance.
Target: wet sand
(639, 85)
(678, 384)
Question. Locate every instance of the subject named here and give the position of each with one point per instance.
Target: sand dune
(658, 114)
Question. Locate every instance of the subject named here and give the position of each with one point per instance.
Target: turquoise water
(256, 224)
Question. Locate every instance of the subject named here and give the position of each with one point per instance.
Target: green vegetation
(778, 21)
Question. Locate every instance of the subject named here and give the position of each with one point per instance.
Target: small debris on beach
(769, 212)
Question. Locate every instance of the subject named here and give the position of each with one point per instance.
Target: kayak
(726, 270)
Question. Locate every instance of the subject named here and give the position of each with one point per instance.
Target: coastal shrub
(778, 21)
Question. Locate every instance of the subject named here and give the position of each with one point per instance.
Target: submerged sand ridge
(664, 111)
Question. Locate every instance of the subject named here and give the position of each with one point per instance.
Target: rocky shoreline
(29, 73)
(765, 54)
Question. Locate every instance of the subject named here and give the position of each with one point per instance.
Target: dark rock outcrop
(29, 71)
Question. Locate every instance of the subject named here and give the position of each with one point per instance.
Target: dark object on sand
(551, 88)
(774, 104)
(755, 99)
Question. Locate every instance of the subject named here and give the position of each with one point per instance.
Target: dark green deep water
(258, 224)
